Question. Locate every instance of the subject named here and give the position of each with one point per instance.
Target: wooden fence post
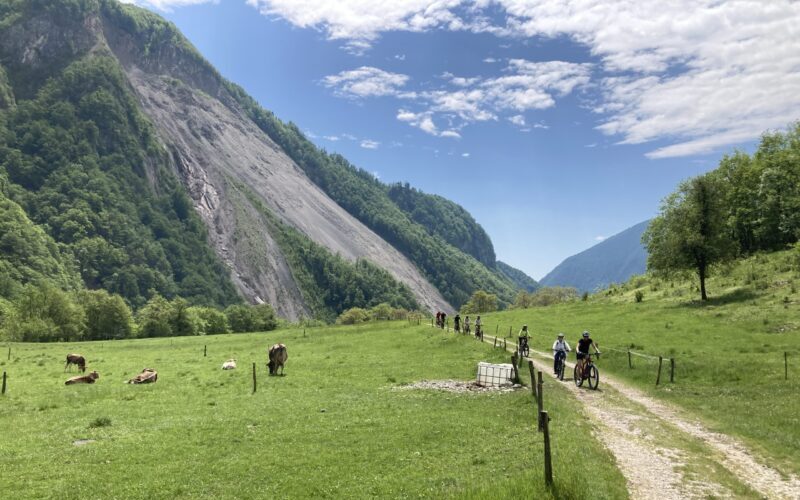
(4, 383)
(205, 350)
(658, 377)
(509, 331)
(533, 379)
(514, 364)
(9, 353)
(540, 400)
(496, 328)
(785, 365)
(544, 419)
(254, 378)
(304, 333)
(671, 370)
(504, 344)
(495, 342)
(630, 363)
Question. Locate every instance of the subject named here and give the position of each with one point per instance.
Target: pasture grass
(729, 352)
(337, 425)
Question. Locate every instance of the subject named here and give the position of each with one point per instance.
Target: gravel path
(665, 455)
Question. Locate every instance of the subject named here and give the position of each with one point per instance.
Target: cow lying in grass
(76, 359)
(229, 365)
(83, 379)
(148, 376)
(277, 358)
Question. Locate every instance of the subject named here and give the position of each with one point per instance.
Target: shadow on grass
(738, 295)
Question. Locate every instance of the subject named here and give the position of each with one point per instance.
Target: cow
(83, 379)
(76, 359)
(229, 365)
(277, 358)
(148, 376)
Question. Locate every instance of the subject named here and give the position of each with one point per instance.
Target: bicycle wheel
(525, 351)
(577, 376)
(561, 369)
(594, 377)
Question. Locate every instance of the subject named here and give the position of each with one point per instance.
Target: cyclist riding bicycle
(466, 325)
(522, 343)
(478, 332)
(560, 350)
(583, 350)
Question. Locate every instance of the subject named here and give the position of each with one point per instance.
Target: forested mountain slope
(518, 277)
(613, 260)
(155, 175)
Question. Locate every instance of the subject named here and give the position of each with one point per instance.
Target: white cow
(229, 365)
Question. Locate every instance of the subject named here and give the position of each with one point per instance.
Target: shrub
(639, 296)
(100, 422)
(353, 316)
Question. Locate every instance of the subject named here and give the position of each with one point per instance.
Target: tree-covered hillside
(518, 277)
(453, 272)
(445, 218)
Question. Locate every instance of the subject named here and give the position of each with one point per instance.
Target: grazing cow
(83, 379)
(148, 376)
(76, 359)
(229, 365)
(277, 358)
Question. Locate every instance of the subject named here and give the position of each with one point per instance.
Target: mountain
(153, 174)
(613, 260)
(520, 279)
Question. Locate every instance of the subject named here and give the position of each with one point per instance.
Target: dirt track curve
(665, 454)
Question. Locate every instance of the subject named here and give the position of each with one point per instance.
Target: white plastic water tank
(491, 375)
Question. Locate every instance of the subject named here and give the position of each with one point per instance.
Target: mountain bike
(561, 357)
(522, 347)
(590, 373)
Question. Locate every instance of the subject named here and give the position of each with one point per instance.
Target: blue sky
(556, 123)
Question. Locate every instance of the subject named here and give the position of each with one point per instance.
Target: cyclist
(466, 325)
(457, 323)
(560, 350)
(583, 350)
(522, 343)
(478, 332)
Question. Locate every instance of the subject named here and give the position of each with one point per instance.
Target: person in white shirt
(560, 350)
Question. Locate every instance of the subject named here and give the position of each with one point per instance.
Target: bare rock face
(215, 148)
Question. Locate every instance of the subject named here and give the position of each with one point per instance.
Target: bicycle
(590, 373)
(522, 347)
(561, 357)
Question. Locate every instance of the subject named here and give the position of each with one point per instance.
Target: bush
(211, 321)
(353, 316)
(259, 318)
(639, 296)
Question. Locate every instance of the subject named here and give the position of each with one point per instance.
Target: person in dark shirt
(457, 323)
(583, 349)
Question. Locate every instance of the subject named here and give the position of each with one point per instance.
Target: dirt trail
(665, 455)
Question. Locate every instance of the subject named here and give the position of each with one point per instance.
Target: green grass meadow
(729, 353)
(335, 426)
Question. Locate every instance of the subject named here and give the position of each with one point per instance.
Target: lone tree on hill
(690, 233)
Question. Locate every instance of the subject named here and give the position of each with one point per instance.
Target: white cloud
(360, 22)
(599, 238)
(400, 57)
(465, 155)
(370, 144)
(490, 60)
(365, 81)
(167, 5)
(698, 74)
(332, 138)
(517, 120)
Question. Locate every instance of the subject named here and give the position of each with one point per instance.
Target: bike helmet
(561, 335)
(586, 333)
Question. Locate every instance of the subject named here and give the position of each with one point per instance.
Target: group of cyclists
(441, 322)
(561, 348)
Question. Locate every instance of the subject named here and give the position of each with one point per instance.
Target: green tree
(107, 315)
(212, 321)
(353, 316)
(690, 233)
(43, 313)
(154, 318)
(259, 318)
(480, 302)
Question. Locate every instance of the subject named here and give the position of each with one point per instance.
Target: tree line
(749, 203)
(45, 313)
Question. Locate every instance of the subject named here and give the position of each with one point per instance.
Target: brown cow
(277, 358)
(83, 379)
(76, 359)
(148, 376)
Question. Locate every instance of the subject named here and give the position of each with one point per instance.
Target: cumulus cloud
(698, 74)
(370, 144)
(465, 155)
(167, 5)
(365, 81)
(360, 22)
